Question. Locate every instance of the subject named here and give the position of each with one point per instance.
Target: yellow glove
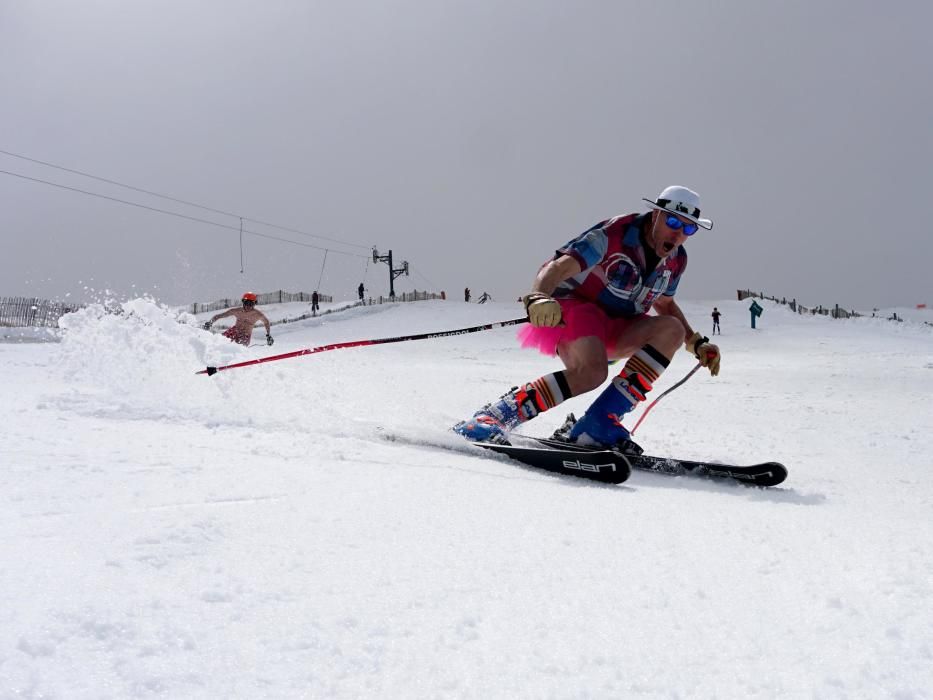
(704, 351)
(542, 310)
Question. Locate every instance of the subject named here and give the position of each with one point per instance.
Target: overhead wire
(176, 199)
(415, 270)
(196, 219)
(177, 214)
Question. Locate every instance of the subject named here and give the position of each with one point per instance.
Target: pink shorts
(581, 319)
(236, 336)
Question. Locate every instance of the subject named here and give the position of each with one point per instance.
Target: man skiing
(247, 317)
(716, 316)
(589, 304)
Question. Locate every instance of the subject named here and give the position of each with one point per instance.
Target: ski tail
(605, 466)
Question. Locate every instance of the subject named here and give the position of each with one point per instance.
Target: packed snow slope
(309, 527)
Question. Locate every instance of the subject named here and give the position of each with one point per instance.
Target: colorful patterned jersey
(614, 274)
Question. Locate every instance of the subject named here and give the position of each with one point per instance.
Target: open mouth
(667, 246)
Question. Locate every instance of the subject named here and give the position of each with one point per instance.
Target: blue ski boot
(601, 425)
(494, 421)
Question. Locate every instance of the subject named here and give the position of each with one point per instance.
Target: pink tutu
(581, 319)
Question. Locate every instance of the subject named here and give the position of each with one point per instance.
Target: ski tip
(209, 371)
(776, 474)
(766, 474)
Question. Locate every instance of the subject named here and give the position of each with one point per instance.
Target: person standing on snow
(314, 302)
(716, 316)
(589, 304)
(247, 317)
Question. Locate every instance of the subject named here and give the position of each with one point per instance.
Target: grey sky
(471, 137)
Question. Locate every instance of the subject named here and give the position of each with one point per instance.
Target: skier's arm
(554, 272)
(694, 343)
(223, 314)
(217, 317)
(265, 322)
(544, 311)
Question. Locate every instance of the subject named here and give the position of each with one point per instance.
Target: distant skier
(314, 302)
(466, 294)
(716, 316)
(360, 290)
(589, 304)
(247, 317)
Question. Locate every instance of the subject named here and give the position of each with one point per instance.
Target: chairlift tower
(393, 272)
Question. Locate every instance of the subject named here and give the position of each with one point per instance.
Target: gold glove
(707, 353)
(542, 310)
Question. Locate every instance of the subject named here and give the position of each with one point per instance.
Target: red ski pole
(209, 371)
(651, 405)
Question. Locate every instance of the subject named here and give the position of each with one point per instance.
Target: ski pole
(209, 371)
(651, 405)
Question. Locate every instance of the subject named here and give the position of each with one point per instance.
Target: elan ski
(606, 466)
(763, 474)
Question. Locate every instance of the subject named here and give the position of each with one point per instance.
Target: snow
(309, 528)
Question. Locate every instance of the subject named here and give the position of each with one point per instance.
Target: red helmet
(249, 296)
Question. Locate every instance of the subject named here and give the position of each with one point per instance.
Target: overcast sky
(472, 138)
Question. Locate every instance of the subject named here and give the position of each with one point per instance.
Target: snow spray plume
(135, 366)
(210, 371)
